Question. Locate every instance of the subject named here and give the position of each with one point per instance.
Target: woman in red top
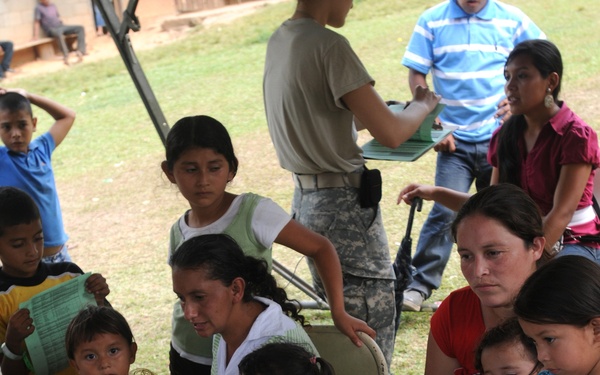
(499, 237)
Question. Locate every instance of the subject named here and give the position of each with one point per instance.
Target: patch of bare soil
(163, 31)
(99, 48)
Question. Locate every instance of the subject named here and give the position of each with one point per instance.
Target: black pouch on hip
(369, 193)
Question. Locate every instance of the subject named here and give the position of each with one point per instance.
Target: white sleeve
(268, 220)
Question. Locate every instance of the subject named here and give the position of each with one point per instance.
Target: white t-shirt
(271, 325)
(268, 220)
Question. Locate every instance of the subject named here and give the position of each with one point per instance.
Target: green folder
(423, 140)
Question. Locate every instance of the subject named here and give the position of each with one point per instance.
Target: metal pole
(119, 32)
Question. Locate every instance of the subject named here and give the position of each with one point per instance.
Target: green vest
(240, 229)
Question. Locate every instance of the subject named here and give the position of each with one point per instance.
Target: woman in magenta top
(547, 149)
(544, 148)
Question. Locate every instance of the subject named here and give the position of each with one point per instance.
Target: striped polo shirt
(466, 54)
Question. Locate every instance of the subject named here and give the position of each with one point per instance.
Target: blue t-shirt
(32, 173)
(466, 54)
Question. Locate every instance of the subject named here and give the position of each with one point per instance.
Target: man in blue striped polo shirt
(464, 44)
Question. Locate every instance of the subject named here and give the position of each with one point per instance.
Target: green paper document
(52, 310)
(423, 140)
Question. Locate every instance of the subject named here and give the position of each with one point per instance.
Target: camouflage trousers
(360, 240)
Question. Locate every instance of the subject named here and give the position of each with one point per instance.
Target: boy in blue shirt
(23, 275)
(26, 164)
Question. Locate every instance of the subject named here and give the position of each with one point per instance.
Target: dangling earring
(548, 99)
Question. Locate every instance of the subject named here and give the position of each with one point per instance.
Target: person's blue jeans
(7, 47)
(585, 251)
(457, 171)
(62, 256)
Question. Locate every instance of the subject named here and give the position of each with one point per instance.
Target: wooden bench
(43, 48)
(40, 49)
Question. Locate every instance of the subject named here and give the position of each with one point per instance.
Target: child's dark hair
(203, 132)
(507, 333)
(283, 359)
(546, 58)
(95, 320)
(507, 204)
(225, 261)
(16, 207)
(566, 290)
(13, 102)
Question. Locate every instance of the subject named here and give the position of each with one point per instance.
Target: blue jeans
(7, 47)
(61, 256)
(457, 171)
(585, 251)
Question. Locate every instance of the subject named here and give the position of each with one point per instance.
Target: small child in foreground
(558, 306)
(99, 340)
(283, 358)
(505, 349)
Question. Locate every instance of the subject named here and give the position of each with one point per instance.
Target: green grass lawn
(118, 207)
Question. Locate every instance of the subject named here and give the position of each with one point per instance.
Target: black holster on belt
(369, 193)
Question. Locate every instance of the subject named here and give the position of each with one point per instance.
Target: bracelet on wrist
(10, 355)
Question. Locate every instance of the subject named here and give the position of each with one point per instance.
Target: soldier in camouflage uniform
(314, 86)
(359, 237)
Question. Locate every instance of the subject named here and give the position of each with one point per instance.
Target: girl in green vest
(200, 160)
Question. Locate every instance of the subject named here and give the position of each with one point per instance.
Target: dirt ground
(99, 48)
(163, 31)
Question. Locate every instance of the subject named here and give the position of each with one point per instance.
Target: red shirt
(565, 139)
(457, 327)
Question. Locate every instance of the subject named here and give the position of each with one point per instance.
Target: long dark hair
(224, 260)
(546, 58)
(566, 290)
(283, 358)
(509, 205)
(203, 132)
